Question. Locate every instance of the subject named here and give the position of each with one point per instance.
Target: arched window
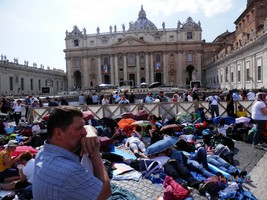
(120, 60)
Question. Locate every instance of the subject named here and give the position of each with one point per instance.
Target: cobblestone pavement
(245, 159)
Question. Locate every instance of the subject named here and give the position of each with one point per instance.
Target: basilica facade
(141, 53)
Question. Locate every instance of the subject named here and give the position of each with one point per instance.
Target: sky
(34, 30)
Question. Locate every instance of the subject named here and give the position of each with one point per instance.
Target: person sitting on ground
(241, 112)
(67, 134)
(135, 143)
(26, 170)
(8, 172)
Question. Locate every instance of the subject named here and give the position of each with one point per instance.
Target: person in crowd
(40, 102)
(259, 117)
(26, 171)
(148, 98)
(230, 109)
(251, 95)
(135, 143)
(162, 97)
(51, 102)
(175, 97)
(105, 99)
(132, 97)
(17, 111)
(67, 134)
(89, 100)
(189, 96)
(8, 171)
(241, 112)
(214, 105)
(27, 102)
(64, 102)
(82, 100)
(95, 99)
(222, 127)
(35, 127)
(123, 100)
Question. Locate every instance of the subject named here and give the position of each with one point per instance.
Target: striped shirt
(58, 174)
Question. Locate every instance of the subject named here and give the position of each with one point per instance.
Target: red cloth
(21, 149)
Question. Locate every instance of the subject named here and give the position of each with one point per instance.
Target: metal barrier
(165, 110)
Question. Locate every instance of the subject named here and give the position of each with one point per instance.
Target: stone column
(180, 70)
(85, 70)
(112, 81)
(69, 74)
(165, 69)
(137, 70)
(125, 68)
(116, 70)
(151, 80)
(99, 71)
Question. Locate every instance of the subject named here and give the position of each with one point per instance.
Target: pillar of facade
(116, 70)
(85, 73)
(125, 67)
(69, 74)
(151, 79)
(99, 71)
(165, 69)
(180, 70)
(137, 70)
(111, 70)
(198, 67)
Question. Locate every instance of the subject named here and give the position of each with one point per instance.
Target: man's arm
(91, 146)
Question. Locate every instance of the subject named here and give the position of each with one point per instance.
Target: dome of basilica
(142, 23)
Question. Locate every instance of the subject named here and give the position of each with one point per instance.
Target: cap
(12, 143)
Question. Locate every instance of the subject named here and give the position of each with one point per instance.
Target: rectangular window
(232, 76)
(189, 35)
(31, 83)
(141, 38)
(22, 83)
(119, 39)
(39, 84)
(77, 63)
(238, 76)
(259, 74)
(157, 37)
(131, 60)
(226, 74)
(92, 43)
(104, 41)
(171, 38)
(76, 43)
(11, 87)
(247, 75)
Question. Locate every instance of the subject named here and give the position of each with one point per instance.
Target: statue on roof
(97, 29)
(123, 27)
(179, 24)
(115, 28)
(163, 25)
(84, 31)
(110, 29)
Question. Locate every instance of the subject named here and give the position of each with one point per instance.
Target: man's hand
(90, 143)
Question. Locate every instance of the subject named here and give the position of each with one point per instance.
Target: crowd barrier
(165, 110)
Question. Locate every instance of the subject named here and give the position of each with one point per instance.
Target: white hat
(12, 143)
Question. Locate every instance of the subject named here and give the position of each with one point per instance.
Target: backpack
(173, 190)
(148, 167)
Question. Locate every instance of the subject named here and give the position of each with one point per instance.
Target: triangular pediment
(130, 41)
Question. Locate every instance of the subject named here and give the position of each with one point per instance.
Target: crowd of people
(57, 173)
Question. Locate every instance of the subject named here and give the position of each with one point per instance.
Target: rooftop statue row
(26, 63)
(140, 25)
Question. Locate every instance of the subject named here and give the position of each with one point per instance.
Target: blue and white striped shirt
(59, 175)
